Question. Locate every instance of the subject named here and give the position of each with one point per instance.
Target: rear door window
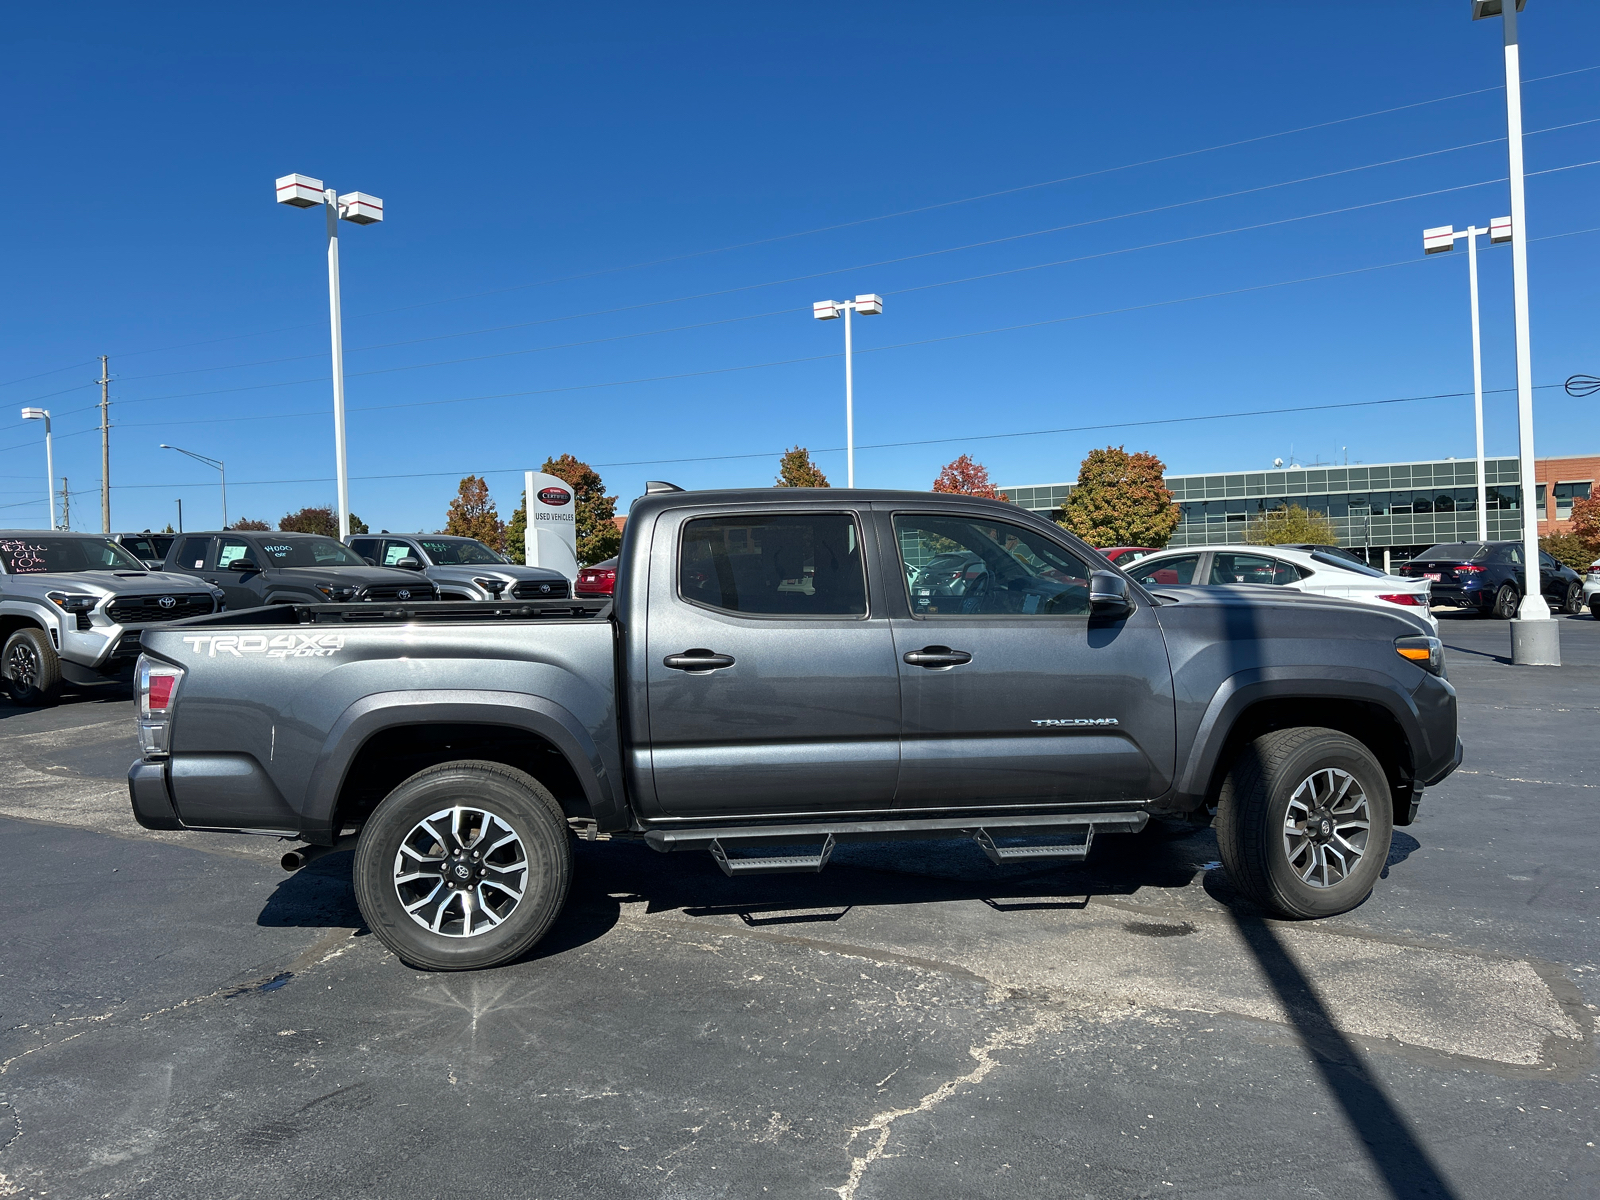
(790, 564)
(193, 553)
(366, 547)
(1169, 571)
(1251, 568)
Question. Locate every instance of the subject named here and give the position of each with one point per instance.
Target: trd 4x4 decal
(279, 645)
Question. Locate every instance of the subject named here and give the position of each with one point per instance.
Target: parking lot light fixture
(43, 414)
(828, 310)
(1438, 241)
(302, 191)
(1535, 638)
(210, 462)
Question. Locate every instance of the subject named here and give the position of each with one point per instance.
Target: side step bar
(983, 831)
(1000, 855)
(790, 865)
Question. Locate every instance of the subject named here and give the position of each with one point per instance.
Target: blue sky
(605, 224)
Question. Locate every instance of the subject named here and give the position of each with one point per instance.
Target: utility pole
(66, 505)
(105, 446)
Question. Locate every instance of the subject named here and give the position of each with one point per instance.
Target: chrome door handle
(697, 662)
(934, 657)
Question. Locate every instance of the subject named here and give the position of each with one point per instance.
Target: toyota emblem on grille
(404, 593)
(168, 602)
(544, 587)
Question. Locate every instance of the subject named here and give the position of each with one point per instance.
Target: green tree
(596, 513)
(472, 514)
(964, 477)
(795, 469)
(515, 546)
(250, 524)
(1290, 523)
(1568, 548)
(321, 520)
(1121, 500)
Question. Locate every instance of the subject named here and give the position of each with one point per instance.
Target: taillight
(1469, 570)
(1411, 599)
(157, 684)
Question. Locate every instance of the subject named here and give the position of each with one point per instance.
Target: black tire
(519, 803)
(31, 668)
(1253, 809)
(1506, 601)
(1574, 603)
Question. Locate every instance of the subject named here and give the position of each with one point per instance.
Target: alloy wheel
(1325, 829)
(460, 872)
(22, 667)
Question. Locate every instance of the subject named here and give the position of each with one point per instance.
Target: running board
(1014, 824)
(1000, 855)
(787, 865)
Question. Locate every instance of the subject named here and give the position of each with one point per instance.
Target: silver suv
(462, 568)
(72, 606)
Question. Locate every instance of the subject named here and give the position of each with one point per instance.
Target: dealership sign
(552, 537)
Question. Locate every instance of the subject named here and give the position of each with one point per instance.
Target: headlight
(1426, 652)
(493, 586)
(339, 593)
(73, 602)
(157, 684)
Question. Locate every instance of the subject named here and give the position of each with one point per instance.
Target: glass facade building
(1400, 507)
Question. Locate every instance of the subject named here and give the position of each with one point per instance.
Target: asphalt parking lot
(182, 1018)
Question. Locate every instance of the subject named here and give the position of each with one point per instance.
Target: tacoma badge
(1072, 722)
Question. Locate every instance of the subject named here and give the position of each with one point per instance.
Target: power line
(792, 361)
(979, 437)
(867, 220)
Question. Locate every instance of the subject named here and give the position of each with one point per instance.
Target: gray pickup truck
(782, 671)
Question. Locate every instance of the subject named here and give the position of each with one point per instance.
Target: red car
(598, 580)
(1126, 556)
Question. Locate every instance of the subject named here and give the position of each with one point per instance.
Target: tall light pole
(1437, 241)
(828, 310)
(210, 462)
(1535, 638)
(43, 414)
(301, 191)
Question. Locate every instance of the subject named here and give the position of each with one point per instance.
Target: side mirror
(409, 564)
(1108, 595)
(242, 564)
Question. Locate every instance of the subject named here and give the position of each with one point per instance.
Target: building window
(1538, 500)
(1566, 493)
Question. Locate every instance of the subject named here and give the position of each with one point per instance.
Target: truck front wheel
(30, 667)
(464, 865)
(1303, 822)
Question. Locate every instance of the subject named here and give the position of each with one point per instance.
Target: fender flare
(515, 710)
(1245, 688)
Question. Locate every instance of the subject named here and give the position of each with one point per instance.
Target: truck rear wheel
(464, 865)
(1304, 821)
(31, 668)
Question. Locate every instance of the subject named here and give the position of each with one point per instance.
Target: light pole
(301, 191)
(1535, 638)
(210, 462)
(43, 414)
(828, 310)
(1437, 241)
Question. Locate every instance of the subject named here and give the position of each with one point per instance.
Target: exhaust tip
(293, 860)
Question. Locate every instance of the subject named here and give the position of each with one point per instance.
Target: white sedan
(1317, 572)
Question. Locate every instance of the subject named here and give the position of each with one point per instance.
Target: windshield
(33, 555)
(308, 552)
(1344, 563)
(459, 552)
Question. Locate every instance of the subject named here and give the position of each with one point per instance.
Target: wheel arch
(1374, 712)
(386, 738)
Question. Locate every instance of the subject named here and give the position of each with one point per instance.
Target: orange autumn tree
(963, 477)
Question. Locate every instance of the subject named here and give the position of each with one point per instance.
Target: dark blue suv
(1488, 577)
